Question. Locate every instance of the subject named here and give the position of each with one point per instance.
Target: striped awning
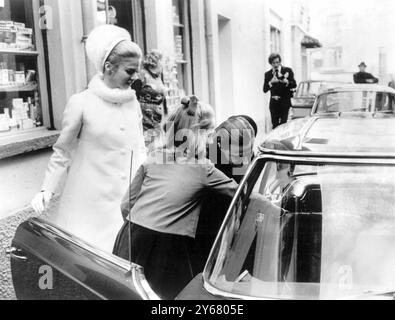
(310, 42)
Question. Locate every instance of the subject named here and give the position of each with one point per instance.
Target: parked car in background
(306, 94)
(366, 99)
(314, 218)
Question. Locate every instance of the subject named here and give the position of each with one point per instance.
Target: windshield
(311, 89)
(356, 101)
(308, 89)
(303, 231)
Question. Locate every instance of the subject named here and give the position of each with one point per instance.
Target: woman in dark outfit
(151, 93)
(163, 204)
(232, 152)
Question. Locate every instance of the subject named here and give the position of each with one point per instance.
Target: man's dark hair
(273, 57)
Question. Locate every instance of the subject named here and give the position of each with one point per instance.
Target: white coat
(101, 128)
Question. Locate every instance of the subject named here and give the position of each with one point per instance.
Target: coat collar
(100, 89)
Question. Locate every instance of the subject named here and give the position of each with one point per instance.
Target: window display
(171, 81)
(128, 14)
(178, 72)
(20, 106)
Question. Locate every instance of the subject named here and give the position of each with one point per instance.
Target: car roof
(340, 135)
(361, 87)
(326, 81)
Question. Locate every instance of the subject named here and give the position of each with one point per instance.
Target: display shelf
(23, 88)
(178, 25)
(23, 84)
(19, 52)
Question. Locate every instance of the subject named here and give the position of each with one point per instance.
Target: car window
(385, 103)
(300, 90)
(310, 89)
(282, 237)
(352, 101)
(315, 88)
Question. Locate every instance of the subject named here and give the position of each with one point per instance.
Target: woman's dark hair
(273, 57)
(250, 121)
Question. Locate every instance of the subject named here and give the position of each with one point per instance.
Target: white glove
(41, 201)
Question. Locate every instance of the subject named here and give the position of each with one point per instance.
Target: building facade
(351, 32)
(215, 49)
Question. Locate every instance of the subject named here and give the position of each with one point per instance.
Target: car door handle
(14, 253)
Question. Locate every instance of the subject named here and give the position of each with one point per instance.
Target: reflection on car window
(311, 89)
(309, 232)
(353, 101)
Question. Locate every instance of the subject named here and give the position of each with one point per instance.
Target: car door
(47, 263)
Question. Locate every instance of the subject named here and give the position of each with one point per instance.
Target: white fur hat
(102, 41)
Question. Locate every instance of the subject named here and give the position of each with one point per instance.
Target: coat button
(123, 152)
(122, 128)
(123, 177)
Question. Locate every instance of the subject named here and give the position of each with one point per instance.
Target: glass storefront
(178, 71)
(128, 14)
(20, 95)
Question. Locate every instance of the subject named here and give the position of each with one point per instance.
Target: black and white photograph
(197, 150)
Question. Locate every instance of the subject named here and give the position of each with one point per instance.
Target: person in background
(151, 93)
(102, 127)
(364, 77)
(281, 83)
(162, 207)
(232, 152)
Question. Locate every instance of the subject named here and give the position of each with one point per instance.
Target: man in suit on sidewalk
(281, 83)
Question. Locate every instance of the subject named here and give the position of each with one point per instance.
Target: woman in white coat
(102, 127)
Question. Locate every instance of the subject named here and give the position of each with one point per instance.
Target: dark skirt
(164, 257)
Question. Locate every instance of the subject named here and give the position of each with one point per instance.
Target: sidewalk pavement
(8, 227)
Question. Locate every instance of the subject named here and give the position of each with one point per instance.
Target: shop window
(22, 93)
(128, 14)
(178, 70)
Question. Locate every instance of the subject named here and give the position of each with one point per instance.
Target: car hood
(334, 135)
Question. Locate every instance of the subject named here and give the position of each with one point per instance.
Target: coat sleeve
(292, 82)
(130, 198)
(266, 86)
(63, 149)
(219, 183)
